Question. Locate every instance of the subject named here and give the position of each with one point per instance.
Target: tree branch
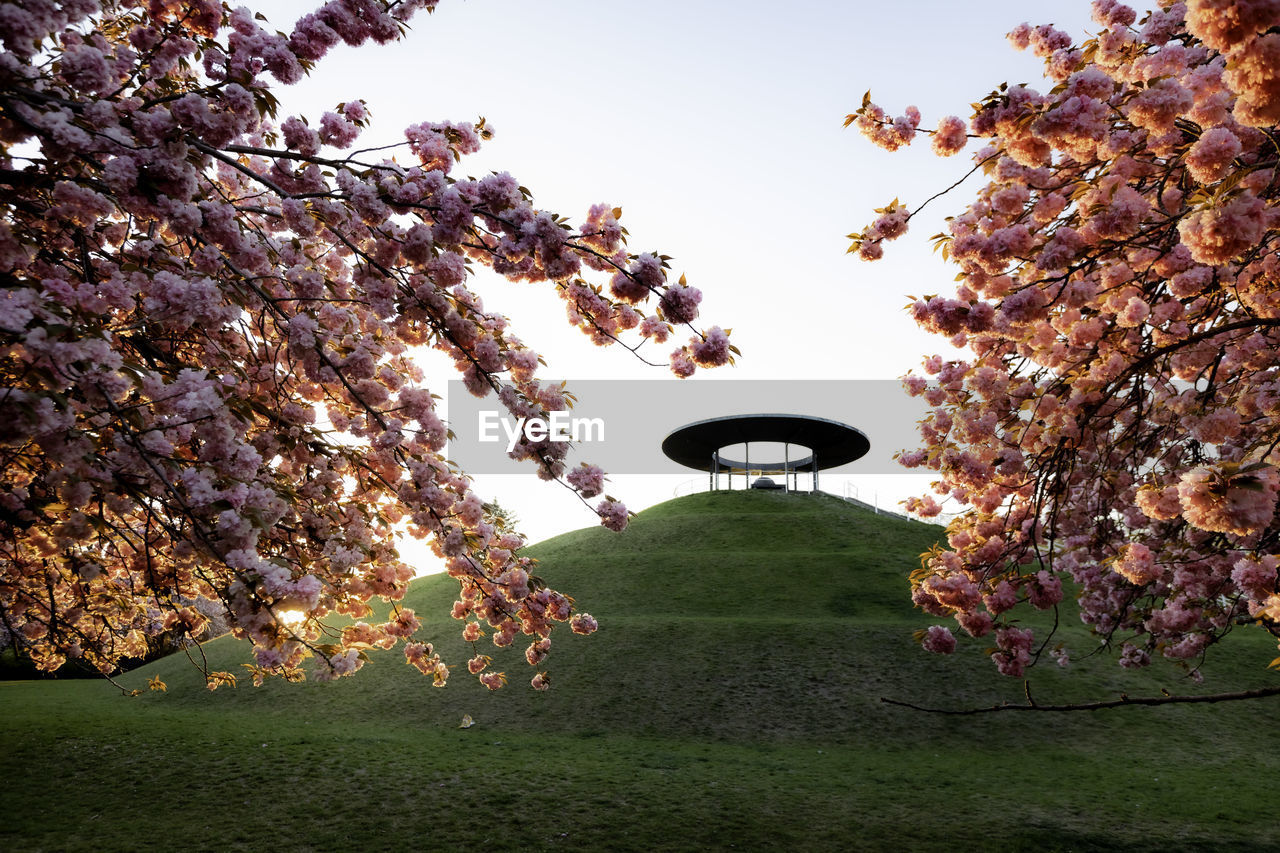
(1123, 701)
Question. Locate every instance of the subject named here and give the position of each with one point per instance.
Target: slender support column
(815, 470)
(746, 472)
(786, 466)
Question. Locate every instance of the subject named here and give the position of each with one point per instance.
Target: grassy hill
(731, 700)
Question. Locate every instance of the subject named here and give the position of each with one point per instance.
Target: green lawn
(731, 700)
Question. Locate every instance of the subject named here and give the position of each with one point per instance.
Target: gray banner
(620, 425)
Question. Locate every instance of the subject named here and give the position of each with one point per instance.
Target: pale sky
(718, 128)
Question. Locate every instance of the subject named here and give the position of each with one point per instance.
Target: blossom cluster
(1114, 421)
(210, 320)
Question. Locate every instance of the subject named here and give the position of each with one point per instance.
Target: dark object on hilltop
(767, 483)
(829, 444)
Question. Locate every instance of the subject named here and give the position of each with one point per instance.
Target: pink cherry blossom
(712, 349)
(1114, 418)
(1225, 503)
(1137, 564)
(211, 338)
(950, 137)
(1210, 158)
(1221, 234)
(939, 640)
(1222, 24)
(587, 479)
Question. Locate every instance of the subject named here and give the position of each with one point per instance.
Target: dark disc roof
(832, 442)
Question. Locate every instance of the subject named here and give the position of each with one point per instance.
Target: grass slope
(731, 700)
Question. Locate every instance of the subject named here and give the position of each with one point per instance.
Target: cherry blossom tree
(212, 323)
(1115, 420)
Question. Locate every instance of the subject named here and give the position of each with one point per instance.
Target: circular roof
(833, 443)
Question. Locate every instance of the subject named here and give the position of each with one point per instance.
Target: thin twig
(1122, 702)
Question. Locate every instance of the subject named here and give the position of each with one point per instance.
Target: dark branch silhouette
(1122, 702)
